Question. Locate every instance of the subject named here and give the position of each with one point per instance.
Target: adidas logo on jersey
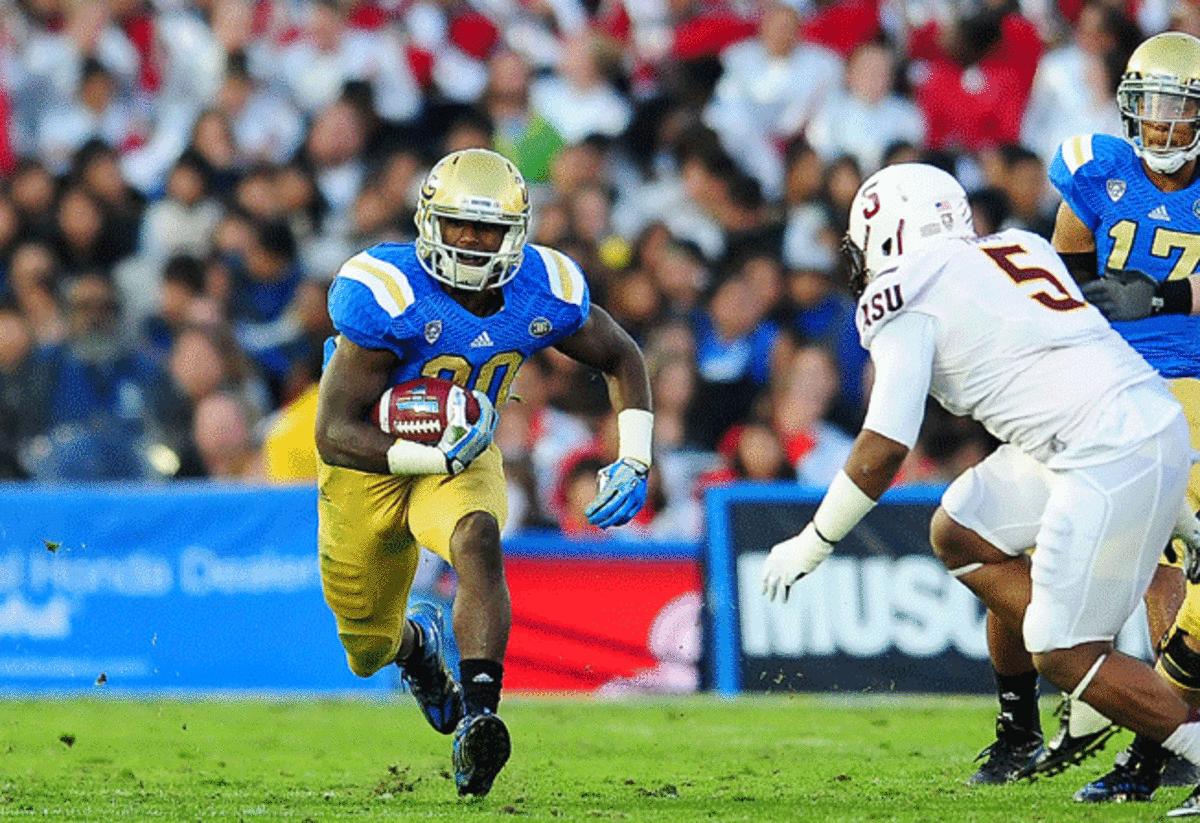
(1159, 213)
(484, 339)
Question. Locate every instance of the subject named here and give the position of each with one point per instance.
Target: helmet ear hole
(886, 247)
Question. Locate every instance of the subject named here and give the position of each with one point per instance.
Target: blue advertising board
(192, 587)
(199, 587)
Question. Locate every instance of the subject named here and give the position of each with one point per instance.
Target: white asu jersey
(1013, 345)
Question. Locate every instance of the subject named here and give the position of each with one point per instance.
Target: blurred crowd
(179, 182)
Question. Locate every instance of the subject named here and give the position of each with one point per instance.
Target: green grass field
(785, 758)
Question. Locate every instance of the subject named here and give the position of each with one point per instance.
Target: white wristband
(635, 430)
(407, 457)
(844, 505)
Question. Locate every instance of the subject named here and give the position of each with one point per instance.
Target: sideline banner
(880, 615)
(204, 587)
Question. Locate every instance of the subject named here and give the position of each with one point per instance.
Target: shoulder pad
(1094, 153)
(1077, 151)
(388, 284)
(564, 275)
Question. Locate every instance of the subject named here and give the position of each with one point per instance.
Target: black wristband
(1176, 296)
(823, 537)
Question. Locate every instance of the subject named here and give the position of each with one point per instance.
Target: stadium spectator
(523, 135)
(1074, 90)
(18, 421)
(865, 116)
(803, 395)
(32, 280)
(222, 428)
(770, 87)
(327, 54)
(101, 397)
(1023, 180)
(578, 101)
(972, 78)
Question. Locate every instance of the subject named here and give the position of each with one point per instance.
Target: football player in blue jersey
(469, 301)
(1131, 214)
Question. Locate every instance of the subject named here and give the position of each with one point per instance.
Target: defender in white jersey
(1096, 459)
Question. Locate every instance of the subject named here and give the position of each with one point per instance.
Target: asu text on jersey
(1137, 226)
(383, 299)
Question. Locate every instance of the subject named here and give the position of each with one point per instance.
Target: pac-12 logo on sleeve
(880, 303)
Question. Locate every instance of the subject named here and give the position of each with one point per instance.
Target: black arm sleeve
(1081, 264)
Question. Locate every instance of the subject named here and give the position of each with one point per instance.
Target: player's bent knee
(1073, 669)
(368, 653)
(952, 544)
(478, 535)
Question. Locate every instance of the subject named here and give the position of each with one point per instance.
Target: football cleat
(1082, 733)
(1189, 807)
(1133, 779)
(1180, 771)
(428, 677)
(1007, 756)
(481, 748)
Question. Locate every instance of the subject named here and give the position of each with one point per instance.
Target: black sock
(481, 682)
(1018, 700)
(1149, 751)
(418, 647)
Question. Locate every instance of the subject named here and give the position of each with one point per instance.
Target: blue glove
(621, 495)
(462, 442)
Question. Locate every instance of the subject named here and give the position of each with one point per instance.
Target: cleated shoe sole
(481, 748)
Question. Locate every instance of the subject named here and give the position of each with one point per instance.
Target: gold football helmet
(1159, 99)
(477, 185)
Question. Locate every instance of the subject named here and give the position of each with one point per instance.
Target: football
(420, 409)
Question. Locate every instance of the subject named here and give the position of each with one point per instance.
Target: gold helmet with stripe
(475, 185)
(1159, 99)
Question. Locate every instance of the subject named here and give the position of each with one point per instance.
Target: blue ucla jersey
(383, 299)
(1137, 226)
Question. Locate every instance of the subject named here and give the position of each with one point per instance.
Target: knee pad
(1178, 663)
(368, 653)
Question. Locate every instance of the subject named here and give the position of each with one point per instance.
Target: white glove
(792, 559)
(462, 442)
(1187, 529)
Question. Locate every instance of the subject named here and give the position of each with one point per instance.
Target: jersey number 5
(1060, 301)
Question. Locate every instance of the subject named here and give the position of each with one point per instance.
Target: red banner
(611, 626)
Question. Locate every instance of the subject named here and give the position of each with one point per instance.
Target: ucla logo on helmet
(540, 327)
(1115, 189)
(1196, 208)
(433, 330)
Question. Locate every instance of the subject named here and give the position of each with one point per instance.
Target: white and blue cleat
(429, 678)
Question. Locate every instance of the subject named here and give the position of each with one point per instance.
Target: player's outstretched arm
(869, 470)
(352, 383)
(604, 345)
(903, 353)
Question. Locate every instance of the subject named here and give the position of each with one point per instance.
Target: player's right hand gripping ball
(438, 413)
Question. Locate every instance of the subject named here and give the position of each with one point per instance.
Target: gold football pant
(1180, 666)
(370, 528)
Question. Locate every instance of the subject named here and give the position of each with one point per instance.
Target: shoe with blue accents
(1133, 779)
(481, 748)
(428, 677)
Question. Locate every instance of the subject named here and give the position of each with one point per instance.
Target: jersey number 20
(457, 369)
